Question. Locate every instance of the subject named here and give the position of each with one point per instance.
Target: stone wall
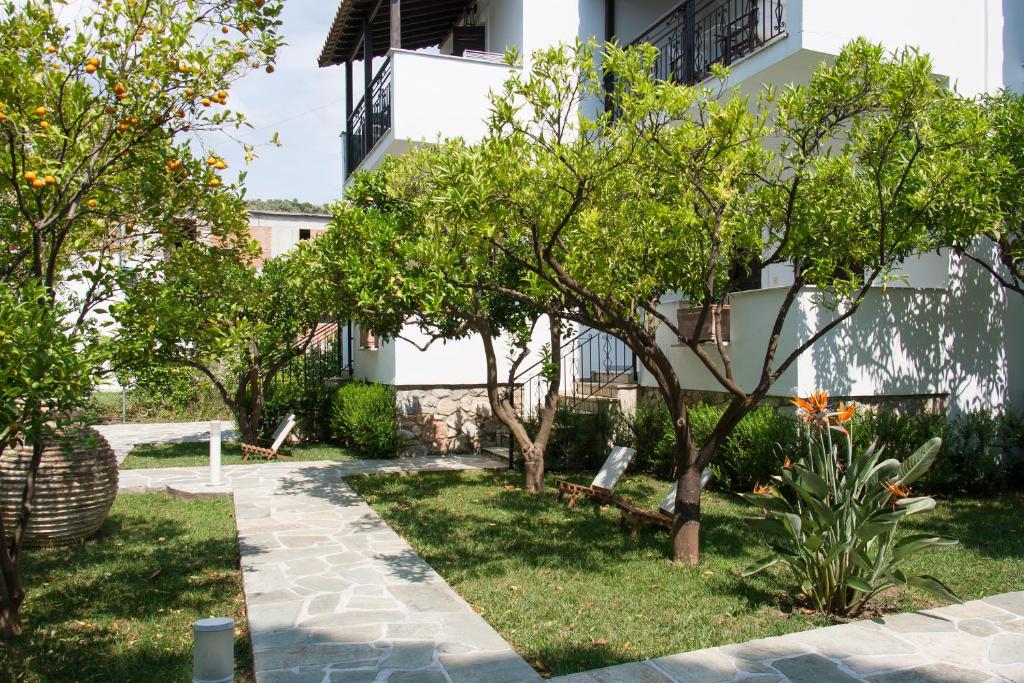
(445, 419)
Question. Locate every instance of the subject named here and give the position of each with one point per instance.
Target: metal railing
(325, 358)
(365, 127)
(592, 363)
(701, 33)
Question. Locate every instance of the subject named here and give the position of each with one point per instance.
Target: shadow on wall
(1013, 45)
(377, 365)
(908, 341)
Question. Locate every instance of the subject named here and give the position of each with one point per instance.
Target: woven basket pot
(75, 487)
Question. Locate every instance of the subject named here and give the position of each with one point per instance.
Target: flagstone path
(123, 437)
(335, 595)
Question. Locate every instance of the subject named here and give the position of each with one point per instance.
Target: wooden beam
(396, 24)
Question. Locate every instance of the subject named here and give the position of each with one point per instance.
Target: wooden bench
(600, 490)
(635, 517)
(284, 429)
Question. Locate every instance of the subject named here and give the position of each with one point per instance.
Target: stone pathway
(977, 642)
(123, 437)
(333, 593)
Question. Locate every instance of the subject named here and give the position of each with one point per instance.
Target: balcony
(418, 97)
(698, 34)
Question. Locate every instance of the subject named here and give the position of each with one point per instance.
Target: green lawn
(120, 606)
(198, 454)
(572, 592)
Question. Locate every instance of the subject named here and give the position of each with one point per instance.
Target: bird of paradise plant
(834, 517)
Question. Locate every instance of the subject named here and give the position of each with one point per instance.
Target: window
(304, 234)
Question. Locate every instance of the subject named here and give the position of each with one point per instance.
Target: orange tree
(97, 173)
(836, 180)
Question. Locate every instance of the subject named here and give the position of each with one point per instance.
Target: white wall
(284, 228)
(504, 22)
(450, 363)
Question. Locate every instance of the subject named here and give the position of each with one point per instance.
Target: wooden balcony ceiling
(424, 23)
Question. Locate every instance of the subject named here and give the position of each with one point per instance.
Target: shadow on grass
(119, 606)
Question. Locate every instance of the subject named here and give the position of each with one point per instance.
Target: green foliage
(364, 417)
(286, 206)
(222, 316)
(43, 371)
(580, 439)
(310, 401)
(750, 454)
(835, 521)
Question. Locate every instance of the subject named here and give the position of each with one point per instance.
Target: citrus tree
(675, 189)
(98, 180)
(233, 322)
(396, 270)
(1000, 251)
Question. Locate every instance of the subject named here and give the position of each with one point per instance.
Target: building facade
(278, 232)
(944, 338)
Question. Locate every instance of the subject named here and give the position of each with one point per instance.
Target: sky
(300, 101)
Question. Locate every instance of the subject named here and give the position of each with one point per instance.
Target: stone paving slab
(976, 642)
(123, 437)
(334, 594)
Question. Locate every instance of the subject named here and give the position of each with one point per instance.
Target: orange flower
(846, 412)
(787, 464)
(763, 489)
(896, 489)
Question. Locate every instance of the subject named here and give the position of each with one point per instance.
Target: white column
(215, 453)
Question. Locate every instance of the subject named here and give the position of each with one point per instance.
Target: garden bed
(120, 606)
(197, 454)
(571, 592)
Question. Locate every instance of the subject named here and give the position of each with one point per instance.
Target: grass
(571, 592)
(193, 454)
(119, 607)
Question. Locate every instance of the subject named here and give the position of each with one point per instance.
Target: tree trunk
(12, 591)
(534, 466)
(248, 428)
(686, 529)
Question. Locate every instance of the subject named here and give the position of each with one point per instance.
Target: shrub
(836, 526)
(579, 440)
(749, 454)
(160, 394)
(364, 417)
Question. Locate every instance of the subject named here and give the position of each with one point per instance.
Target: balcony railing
(366, 128)
(700, 33)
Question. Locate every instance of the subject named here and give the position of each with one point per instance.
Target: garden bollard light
(213, 650)
(215, 453)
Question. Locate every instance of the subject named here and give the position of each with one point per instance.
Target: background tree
(1000, 251)
(374, 251)
(96, 170)
(840, 178)
(217, 314)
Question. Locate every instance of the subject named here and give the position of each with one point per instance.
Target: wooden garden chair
(600, 490)
(283, 431)
(635, 517)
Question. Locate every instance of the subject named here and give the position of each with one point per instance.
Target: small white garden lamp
(213, 650)
(215, 453)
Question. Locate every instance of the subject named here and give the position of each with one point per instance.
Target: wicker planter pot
(75, 487)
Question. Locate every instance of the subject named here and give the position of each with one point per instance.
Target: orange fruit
(40, 111)
(119, 89)
(2, 117)
(44, 124)
(90, 68)
(223, 29)
(133, 120)
(189, 91)
(51, 49)
(122, 96)
(211, 161)
(214, 182)
(220, 165)
(38, 183)
(207, 102)
(221, 94)
(95, 61)
(180, 113)
(29, 176)
(270, 68)
(122, 127)
(49, 180)
(91, 203)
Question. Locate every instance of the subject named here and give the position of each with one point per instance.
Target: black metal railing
(365, 127)
(327, 356)
(701, 33)
(593, 363)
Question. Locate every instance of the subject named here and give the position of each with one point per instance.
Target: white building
(419, 70)
(278, 232)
